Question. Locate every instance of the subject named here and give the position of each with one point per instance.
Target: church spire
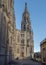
(25, 25)
(26, 9)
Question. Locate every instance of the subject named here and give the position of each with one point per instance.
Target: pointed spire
(26, 7)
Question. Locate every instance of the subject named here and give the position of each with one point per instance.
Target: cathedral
(24, 38)
(14, 43)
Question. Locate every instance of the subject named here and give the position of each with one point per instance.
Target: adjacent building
(43, 50)
(7, 29)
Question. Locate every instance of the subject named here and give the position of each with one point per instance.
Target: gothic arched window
(27, 27)
(24, 28)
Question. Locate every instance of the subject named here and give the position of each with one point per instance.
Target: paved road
(26, 62)
(29, 62)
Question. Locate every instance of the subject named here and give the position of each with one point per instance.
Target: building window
(27, 27)
(22, 42)
(28, 43)
(22, 35)
(24, 28)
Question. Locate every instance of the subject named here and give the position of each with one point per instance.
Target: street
(29, 62)
(26, 62)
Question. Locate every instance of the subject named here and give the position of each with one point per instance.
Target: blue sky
(37, 10)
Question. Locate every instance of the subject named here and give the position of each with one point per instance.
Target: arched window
(27, 27)
(24, 27)
(22, 42)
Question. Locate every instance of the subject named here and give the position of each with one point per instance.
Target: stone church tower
(7, 31)
(24, 37)
(27, 35)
